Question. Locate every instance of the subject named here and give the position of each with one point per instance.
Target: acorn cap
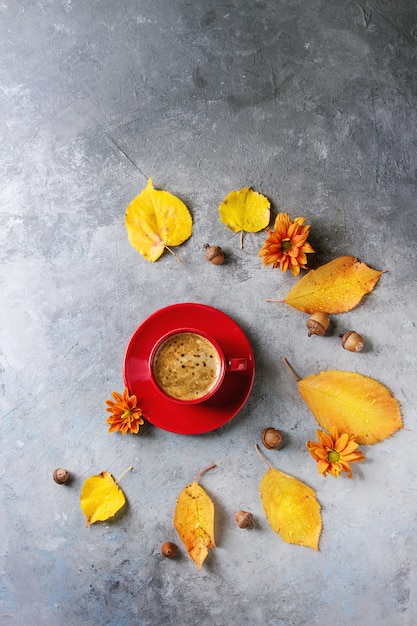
(61, 476)
(271, 438)
(318, 324)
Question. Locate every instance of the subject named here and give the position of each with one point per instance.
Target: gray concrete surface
(314, 105)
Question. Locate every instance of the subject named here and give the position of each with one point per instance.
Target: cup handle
(236, 365)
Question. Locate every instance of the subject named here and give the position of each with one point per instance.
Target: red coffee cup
(188, 366)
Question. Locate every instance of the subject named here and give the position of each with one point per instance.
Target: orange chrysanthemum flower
(334, 452)
(126, 416)
(287, 245)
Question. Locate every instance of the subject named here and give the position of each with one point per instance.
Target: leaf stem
(291, 371)
(272, 300)
(175, 255)
(124, 473)
(262, 456)
(203, 471)
(241, 239)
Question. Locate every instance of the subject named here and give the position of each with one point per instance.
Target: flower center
(333, 456)
(286, 245)
(126, 415)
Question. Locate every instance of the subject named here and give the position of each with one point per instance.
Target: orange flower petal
(334, 434)
(346, 468)
(292, 230)
(326, 440)
(333, 470)
(321, 454)
(350, 447)
(281, 226)
(342, 442)
(299, 240)
(353, 458)
(302, 259)
(323, 467)
(293, 252)
(284, 264)
(307, 248)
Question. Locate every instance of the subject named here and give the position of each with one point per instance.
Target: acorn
(271, 438)
(214, 254)
(244, 519)
(61, 476)
(352, 341)
(318, 324)
(169, 549)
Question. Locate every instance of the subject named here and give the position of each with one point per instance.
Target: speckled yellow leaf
(194, 521)
(100, 498)
(356, 404)
(155, 220)
(292, 508)
(245, 210)
(335, 287)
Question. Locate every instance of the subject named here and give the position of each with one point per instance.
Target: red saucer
(197, 418)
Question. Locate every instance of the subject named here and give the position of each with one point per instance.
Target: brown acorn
(271, 438)
(61, 476)
(244, 519)
(318, 324)
(169, 549)
(214, 254)
(352, 341)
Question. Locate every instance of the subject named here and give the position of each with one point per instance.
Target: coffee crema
(186, 366)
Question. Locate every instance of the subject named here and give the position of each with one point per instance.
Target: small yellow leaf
(245, 210)
(354, 403)
(194, 521)
(335, 287)
(291, 508)
(156, 219)
(100, 498)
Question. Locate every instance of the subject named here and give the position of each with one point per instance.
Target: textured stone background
(314, 105)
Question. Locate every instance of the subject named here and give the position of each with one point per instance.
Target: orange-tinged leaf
(245, 210)
(194, 521)
(335, 287)
(356, 404)
(100, 498)
(156, 219)
(292, 508)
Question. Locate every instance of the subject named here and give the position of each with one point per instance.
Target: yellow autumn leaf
(194, 521)
(355, 404)
(335, 287)
(155, 220)
(245, 210)
(100, 498)
(291, 508)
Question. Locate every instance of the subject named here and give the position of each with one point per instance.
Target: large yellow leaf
(245, 210)
(155, 220)
(100, 498)
(194, 521)
(291, 508)
(335, 287)
(356, 404)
